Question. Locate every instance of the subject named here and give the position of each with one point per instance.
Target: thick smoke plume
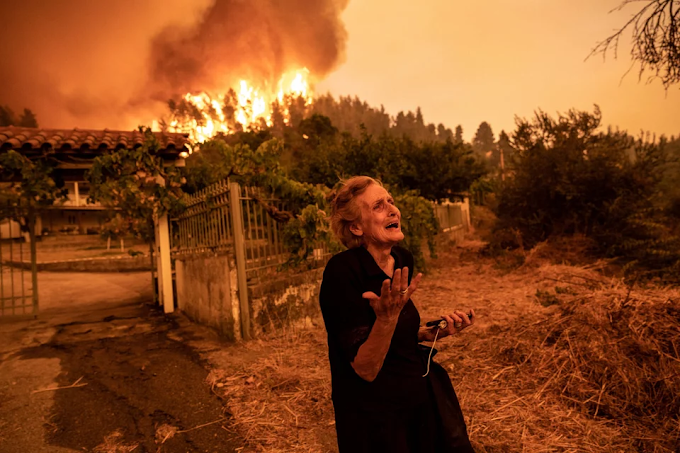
(79, 63)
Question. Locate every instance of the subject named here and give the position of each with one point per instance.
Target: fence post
(239, 251)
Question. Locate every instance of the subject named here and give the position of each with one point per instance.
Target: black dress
(400, 411)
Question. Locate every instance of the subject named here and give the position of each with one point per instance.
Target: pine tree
(28, 119)
(459, 134)
(484, 140)
(7, 117)
(444, 133)
(502, 151)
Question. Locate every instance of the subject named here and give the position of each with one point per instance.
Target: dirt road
(137, 383)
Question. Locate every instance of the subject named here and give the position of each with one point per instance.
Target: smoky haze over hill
(96, 65)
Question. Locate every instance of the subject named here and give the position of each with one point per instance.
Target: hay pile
(598, 372)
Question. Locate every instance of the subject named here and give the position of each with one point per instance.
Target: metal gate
(18, 265)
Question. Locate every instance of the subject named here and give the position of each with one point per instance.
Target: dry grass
(278, 392)
(598, 373)
(113, 443)
(562, 359)
(165, 432)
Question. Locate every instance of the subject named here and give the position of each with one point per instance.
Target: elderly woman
(387, 396)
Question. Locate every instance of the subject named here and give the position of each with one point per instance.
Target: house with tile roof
(75, 150)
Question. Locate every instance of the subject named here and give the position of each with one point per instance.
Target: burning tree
(204, 115)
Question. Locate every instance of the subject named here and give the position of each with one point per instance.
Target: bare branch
(655, 40)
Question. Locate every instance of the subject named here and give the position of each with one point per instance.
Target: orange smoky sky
(92, 64)
(79, 63)
(464, 62)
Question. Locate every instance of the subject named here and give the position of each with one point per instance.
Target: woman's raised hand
(393, 297)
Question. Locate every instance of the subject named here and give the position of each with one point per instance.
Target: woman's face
(380, 222)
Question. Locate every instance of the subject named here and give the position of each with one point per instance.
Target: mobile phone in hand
(441, 323)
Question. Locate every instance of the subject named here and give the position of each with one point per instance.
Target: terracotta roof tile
(77, 139)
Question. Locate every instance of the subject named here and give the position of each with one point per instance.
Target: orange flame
(202, 115)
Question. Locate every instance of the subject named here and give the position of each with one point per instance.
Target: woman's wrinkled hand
(455, 322)
(392, 299)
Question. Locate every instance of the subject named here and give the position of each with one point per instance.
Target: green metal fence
(207, 226)
(18, 265)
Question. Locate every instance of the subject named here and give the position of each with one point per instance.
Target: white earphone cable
(436, 334)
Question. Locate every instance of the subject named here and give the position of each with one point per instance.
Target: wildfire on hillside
(203, 115)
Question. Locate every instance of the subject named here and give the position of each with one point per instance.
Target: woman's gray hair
(345, 211)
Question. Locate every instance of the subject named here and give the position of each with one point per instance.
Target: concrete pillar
(164, 265)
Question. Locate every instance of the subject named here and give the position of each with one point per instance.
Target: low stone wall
(99, 264)
(206, 292)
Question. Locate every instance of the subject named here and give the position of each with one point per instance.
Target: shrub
(567, 178)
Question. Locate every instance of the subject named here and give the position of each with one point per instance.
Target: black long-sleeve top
(349, 319)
